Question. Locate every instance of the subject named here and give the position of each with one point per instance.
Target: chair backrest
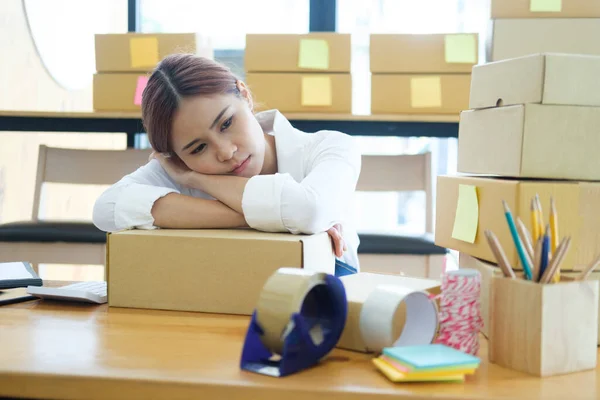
(398, 173)
(82, 166)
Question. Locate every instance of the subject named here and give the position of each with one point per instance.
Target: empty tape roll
(294, 290)
(397, 316)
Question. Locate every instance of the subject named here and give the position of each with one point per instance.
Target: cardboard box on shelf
(419, 94)
(548, 78)
(140, 52)
(531, 141)
(215, 271)
(423, 53)
(520, 37)
(545, 9)
(490, 270)
(312, 52)
(301, 92)
(119, 91)
(467, 206)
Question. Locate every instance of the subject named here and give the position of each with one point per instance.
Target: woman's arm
(180, 211)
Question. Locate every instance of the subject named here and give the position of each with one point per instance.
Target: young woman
(217, 164)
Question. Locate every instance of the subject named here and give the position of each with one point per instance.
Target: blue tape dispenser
(298, 320)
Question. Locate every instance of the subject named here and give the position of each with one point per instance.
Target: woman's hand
(176, 169)
(339, 246)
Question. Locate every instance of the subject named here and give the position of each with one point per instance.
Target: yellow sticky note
(467, 214)
(316, 91)
(460, 48)
(313, 54)
(143, 52)
(545, 6)
(426, 92)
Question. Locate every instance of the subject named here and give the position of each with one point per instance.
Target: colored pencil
(537, 258)
(525, 237)
(525, 261)
(554, 230)
(499, 254)
(540, 214)
(545, 249)
(535, 230)
(554, 266)
(588, 270)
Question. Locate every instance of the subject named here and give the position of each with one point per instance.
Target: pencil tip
(505, 204)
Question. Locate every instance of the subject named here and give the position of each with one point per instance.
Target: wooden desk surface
(71, 351)
(291, 116)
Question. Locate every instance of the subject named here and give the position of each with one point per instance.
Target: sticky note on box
(460, 48)
(545, 6)
(426, 92)
(316, 91)
(143, 52)
(466, 218)
(142, 81)
(313, 54)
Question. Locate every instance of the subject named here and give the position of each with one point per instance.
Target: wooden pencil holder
(544, 329)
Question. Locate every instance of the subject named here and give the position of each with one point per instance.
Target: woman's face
(218, 135)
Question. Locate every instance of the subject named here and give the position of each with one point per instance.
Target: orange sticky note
(316, 91)
(460, 48)
(545, 6)
(466, 218)
(143, 52)
(426, 92)
(313, 54)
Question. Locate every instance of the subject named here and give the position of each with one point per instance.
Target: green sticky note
(426, 92)
(466, 218)
(316, 91)
(460, 48)
(313, 54)
(545, 6)
(143, 52)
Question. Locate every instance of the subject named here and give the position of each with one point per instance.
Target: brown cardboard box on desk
(300, 73)
(217, 271)
(421, 73)
(480, 199)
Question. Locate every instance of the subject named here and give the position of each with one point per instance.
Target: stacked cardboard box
(421, 74)
(124, 60)
(299, 73)
(532, 128)
(523, 27)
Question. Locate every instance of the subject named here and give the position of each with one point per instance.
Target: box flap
(572, 79)
(508, 82)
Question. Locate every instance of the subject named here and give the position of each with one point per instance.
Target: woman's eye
(227, 123)
(199, 148)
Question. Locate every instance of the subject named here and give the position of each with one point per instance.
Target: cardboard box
(545, 9)
(563, 79)
(423, 53)
(118, 91)
(520, 37)
(488, 271)
(312, 52)
(531, 141)
(544, 329)
(301, 92)
(215, 271)
(419, 94)
(359, 287)
(576, 204)
(140, 52)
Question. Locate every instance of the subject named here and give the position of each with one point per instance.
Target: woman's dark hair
(176, 77)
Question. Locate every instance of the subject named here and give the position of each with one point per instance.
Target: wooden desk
(442, 126)
(71, 351)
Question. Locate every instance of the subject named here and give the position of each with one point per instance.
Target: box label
(316, 91)
(143, 52)
(460, 48)
(466, 218)
(426, 92)
(545, 6)
(313, 54)
(139, 89)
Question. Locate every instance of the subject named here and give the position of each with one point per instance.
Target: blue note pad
(430, 356)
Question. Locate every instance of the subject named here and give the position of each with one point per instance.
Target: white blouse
(312, 190)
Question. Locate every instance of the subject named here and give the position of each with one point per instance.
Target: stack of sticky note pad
(522, 27)
(426, 363)
(300, 73)
(421, 73)
(123, 63)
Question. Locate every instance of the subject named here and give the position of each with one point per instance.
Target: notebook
(18, 274)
